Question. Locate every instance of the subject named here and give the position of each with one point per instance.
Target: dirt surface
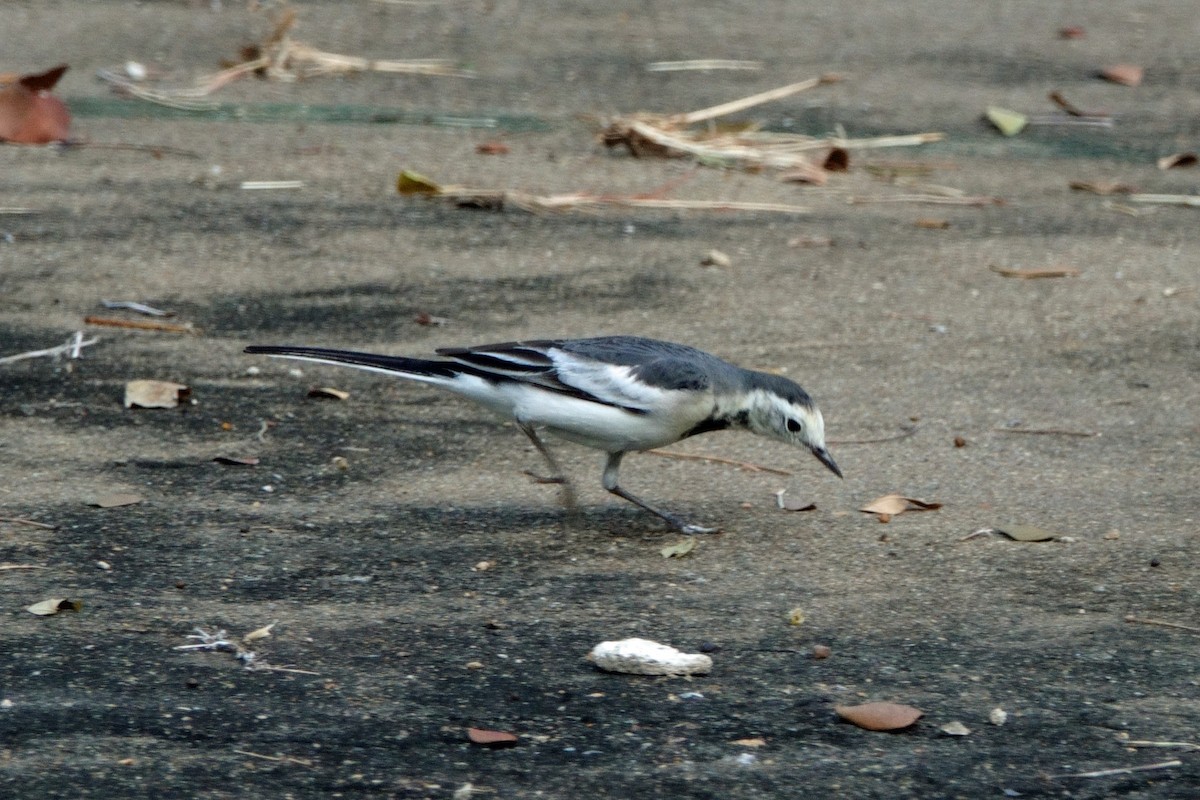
(1075, 399)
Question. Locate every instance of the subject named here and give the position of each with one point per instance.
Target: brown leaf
(880, 716)
(425, 318)
(495, 739)
(1176, 160)
(492, 148)
(29, 114)
(155, 394)
(235, 461)
(1124, 74)
(837, 160)
(1071, 32)
(45, 81)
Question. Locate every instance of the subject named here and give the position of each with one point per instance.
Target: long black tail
(393, 365)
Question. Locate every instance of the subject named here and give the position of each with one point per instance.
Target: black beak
(823, 456)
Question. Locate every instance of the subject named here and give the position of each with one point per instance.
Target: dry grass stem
(1105, 773)
(72, 348)
(672, 135)
(282, 58)
(1048, 432)
(1161, 623)
(704, 64)
(746, 465)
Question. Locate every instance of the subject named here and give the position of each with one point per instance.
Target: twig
(906, 432)
(71, 349)
(29, 522)
(17, 211)
(1104, 773)
(1162, 623)
(4, 567)
(304, 762)
(1048, 432)
(141, 325)
(746, 465)
(1027, 274)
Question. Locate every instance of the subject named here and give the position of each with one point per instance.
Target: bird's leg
(612, 466)
(557, 476)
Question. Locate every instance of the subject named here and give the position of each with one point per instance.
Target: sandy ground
(1074, 398)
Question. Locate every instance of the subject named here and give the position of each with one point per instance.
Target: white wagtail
(618, 394)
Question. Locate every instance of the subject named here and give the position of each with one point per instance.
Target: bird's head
(784, 411)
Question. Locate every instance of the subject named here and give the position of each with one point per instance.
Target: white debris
(644, 657)
(998, 716)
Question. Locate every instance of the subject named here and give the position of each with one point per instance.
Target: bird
(616, 394)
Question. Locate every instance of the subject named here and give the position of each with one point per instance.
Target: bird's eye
(794, 426)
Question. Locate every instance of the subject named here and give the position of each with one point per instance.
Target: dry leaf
(1072, 32)
(327, 393)
(409, 182)
(836, 160)
(880, 716)
(805, 173)
(234, 461)
(892, 504)
(1102, 188)
(792, 504)
(932, 224)
(489, 738)
(155, 394)
(796, 616)
(259, 633)
(29, 114)
(1176, 160)
(1124, 74)
(1027, 533)
(680, 548)
(1008, 122)
(757, 741)
(425, 318)
(54, 605)
(117, 500)
(715, 258)
(492, 148)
